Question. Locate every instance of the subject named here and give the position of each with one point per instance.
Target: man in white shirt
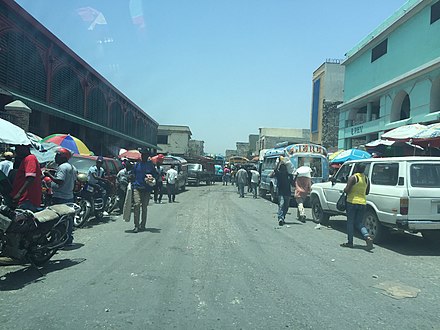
(7, 164)
(171, 178)
(255, 179)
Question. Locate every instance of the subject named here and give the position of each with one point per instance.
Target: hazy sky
(224, 68)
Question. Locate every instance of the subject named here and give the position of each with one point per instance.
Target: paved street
(215, 261)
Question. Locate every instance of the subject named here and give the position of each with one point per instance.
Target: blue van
(307, 154)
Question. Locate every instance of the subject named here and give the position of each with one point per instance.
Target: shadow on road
(400, 242)
(20, 278)
(94, 222)
(148, 229)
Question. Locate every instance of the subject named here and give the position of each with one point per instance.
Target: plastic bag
(126, 212)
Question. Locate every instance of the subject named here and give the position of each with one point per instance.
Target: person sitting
(95, 178)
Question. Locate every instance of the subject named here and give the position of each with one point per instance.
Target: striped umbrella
(69, 142)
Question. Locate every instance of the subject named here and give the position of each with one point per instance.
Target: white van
(404, 194)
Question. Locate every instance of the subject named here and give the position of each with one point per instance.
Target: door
(334, 191)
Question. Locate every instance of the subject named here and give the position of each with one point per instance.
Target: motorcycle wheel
(112, 204)
(84, 215)
(42, 256)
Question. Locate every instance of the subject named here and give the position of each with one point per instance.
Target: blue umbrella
(350, 154)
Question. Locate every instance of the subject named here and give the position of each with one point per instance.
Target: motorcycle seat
(46, 215)
(62, 209)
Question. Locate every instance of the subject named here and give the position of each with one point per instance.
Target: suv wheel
(374, 227)
(318, 213)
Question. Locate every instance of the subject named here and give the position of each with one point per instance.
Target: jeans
(158, 192)
(283, 207)
(254, 188)
(27, 205)
(241, 189)
(141, 198)
(56, 200)
(355, 216)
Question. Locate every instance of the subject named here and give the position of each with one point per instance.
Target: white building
(174, 139)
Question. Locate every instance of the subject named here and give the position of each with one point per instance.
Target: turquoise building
(392, 77)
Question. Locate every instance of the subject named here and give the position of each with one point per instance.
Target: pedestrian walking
(284, 183)
(63, 183)
(26, 187)
(226, 175)
(122, 179)
(303, 187)
(171, 178)
(242, 180)
(142, 177)
(255, 180)
(357, 189)
(158, 188)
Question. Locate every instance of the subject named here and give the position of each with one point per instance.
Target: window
(162, 139)
(112, 170)
(435, 12)
(343, 173)
(425, 175)
(379, 50)
(385, 174)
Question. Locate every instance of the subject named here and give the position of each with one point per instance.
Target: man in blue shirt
(142, 183)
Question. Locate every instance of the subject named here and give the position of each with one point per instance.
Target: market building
(63, 93)
(392, 77)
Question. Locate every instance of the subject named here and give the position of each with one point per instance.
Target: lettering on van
(357, 130)
(311, 148)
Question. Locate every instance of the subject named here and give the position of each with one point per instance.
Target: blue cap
(100, 159)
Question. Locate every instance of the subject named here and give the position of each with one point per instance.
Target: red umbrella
(131, 154)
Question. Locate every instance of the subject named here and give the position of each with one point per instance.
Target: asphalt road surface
(216, 261)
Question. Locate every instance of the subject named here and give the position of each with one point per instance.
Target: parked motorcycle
(91, 201)
(34, 237)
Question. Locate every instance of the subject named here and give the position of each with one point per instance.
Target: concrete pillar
(369, 111)
(19, 114)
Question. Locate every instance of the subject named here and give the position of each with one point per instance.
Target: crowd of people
(21, 180)
(301, 181)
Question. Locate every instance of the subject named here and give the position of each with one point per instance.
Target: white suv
(404, 194)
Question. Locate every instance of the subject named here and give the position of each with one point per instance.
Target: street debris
(397, 290)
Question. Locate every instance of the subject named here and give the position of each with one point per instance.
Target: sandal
(347, 245)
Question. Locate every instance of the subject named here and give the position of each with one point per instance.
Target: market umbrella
(12, 134)
(334, 154)
(69, 142)
(350, 154)
(131, 154)
(406, 132)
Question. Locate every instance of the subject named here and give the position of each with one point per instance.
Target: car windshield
(194, 167)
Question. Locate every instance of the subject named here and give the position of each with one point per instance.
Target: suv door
(334, 191)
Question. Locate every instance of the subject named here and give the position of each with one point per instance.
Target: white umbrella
(12, 134)
(304, 171)
(404, 132)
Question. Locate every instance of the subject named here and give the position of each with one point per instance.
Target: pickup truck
(200, 173)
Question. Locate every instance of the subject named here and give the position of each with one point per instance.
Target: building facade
(392, 78)
(196, 148)
(328, 85)
(173, 139)
(65, 94)
(268, 137)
